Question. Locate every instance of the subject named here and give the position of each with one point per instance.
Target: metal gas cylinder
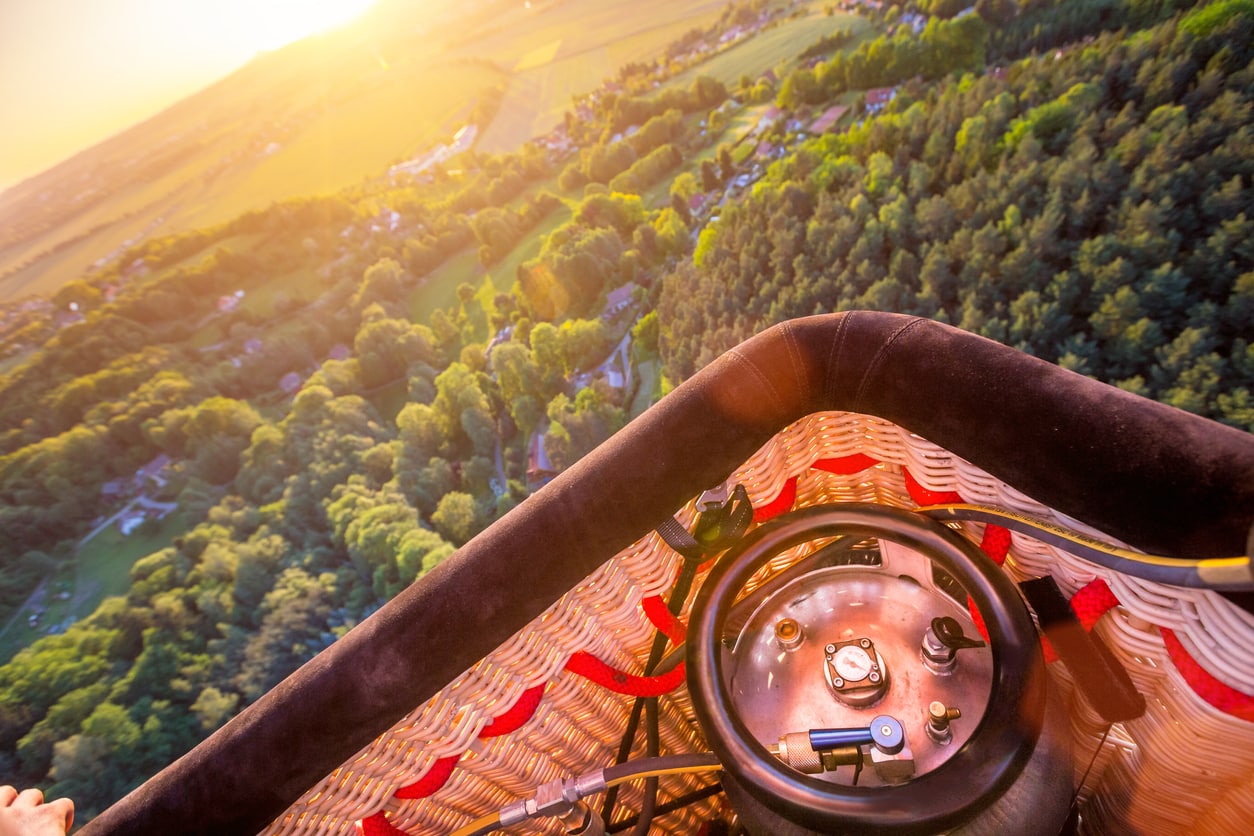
(861, 667)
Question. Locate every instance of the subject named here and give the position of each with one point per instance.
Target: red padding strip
(923, 496)
(1221, 695)
(517, 716)
(437, 776)
(1092, 601)
(846, 465)
(996, 543)
(1089, 603)
(378, 825)
(590, 667)
(664, 620)
(778, 505)
(977, 618)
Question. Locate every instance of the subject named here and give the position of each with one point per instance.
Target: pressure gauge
(855, 672)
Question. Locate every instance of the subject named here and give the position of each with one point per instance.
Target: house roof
(829, 118)
(154, 467)
(880, 95)
(619, 295)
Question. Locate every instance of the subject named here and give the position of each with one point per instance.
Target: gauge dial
(853, 664)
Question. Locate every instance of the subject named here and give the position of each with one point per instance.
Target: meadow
(582, 47)
(773, 48)
(101, 568)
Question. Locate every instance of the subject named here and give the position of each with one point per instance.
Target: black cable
(715, 531)
(1233, 574)
(652, 749)
(687, 574)
(669, 807)
(691, 762)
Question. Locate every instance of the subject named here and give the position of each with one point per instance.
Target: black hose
(687, 574)
(1232, 574)
(652, 749)
(693, 762)
(669, 807)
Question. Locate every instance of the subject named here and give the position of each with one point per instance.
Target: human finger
(66, 808)
(32, 797)
(7, 794)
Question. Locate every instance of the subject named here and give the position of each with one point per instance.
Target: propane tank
(861, 667)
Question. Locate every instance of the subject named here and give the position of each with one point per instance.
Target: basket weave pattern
(1185, 766)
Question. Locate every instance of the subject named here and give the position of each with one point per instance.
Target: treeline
(656, 121)
(943, 47)
(1042, 25)
(611, 240)
(1093, 210)
(828, 43)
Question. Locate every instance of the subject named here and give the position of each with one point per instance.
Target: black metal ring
(949, 795)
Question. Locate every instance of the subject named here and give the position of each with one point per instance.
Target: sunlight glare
(270, 24)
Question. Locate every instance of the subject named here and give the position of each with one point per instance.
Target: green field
(439, 288)
(592, 45)
(771, 48)
(102, 568)
(649, 389)
(505, 271)
(300, 285)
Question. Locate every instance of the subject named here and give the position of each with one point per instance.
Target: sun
(270, 24)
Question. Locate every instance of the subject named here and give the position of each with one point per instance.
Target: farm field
(310, 119)
(770, 48)
(439, 289)
(354, 139)
(582, 49)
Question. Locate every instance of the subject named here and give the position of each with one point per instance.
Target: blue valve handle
(884, 732)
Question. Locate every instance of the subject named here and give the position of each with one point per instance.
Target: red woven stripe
(977, 618)
(846, 465)
(778, 505)
(1093, 601)
(517, 716)
(437, 776)
(664, 620)
(590, 667)
(923, 496)
(378, 825)
(995, 543)
(1219, 694)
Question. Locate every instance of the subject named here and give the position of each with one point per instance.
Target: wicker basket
(1185, 766)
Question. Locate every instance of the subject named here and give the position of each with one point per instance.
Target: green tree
(456, 517)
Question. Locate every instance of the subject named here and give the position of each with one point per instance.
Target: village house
(618, 300)
(877, 98)
(829, 119)
(291, 382)
(229, 303)
(151, 474)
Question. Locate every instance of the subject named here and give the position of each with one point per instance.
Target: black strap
(718, 528)
(1094, 667)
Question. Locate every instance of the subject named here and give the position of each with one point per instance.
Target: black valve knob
(949, 632)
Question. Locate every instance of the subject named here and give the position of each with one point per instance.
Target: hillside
(318, 116)
(231, 444)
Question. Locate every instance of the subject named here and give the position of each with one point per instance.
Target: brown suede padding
(1161, 479)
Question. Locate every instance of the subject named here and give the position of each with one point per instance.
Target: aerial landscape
(276, 351)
